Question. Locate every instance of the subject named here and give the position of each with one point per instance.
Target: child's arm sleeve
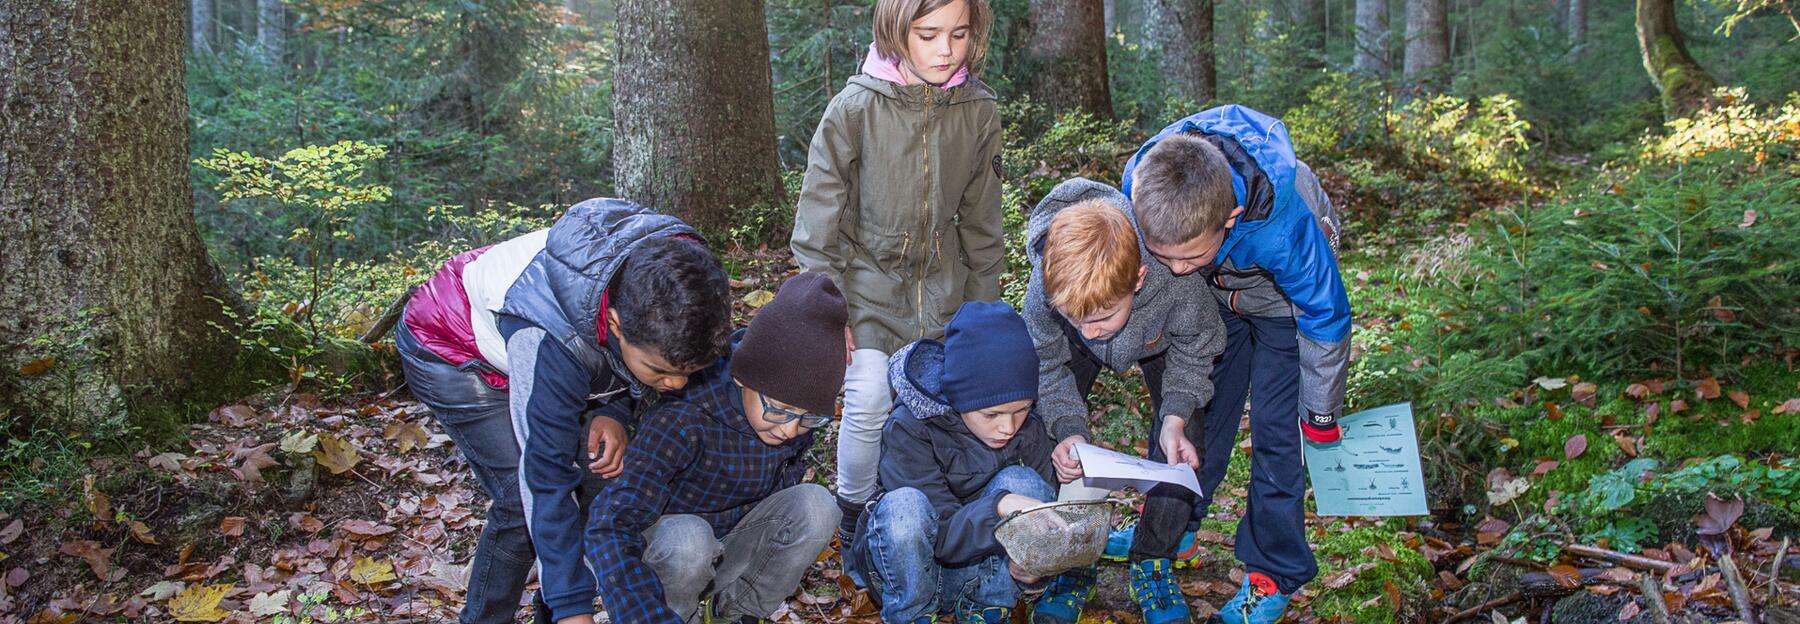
(1309, 276)
(1196, 336)
(624, 510)
(827, 193)
(1060, 403)
(981, 222)
(548, 395)
(965, 532)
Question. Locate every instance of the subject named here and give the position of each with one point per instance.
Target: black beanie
(794, 350)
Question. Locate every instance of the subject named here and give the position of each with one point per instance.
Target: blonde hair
(1090, 258)
(894, 18)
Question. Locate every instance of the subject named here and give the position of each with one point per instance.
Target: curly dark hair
(674, 298)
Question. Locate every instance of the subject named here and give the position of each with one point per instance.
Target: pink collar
(875, 65)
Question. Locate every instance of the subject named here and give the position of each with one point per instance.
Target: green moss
(1341, 549)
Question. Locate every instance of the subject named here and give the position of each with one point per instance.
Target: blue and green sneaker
(1063, 599)
(1258, 601)
(1153, 586)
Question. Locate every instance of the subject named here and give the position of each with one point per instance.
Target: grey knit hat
(794, 351)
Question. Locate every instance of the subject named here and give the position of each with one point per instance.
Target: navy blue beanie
(988, 357)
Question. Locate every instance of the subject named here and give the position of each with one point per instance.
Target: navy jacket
(926, 446)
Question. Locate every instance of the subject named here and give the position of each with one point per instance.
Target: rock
(301, 481)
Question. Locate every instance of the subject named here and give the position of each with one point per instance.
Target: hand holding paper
(1113, 470)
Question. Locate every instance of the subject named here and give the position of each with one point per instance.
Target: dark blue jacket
(1280, 258)
(693, 455)
(926, 446)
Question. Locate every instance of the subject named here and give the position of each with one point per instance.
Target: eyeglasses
(780, 415)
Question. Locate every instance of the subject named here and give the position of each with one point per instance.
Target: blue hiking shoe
(973, 614)
(1153, 586)
(1118, 546)
(1063, 599)
(1258, 601)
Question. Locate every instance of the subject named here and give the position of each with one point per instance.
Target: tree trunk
(1372, 38)
(1578, 22)
(1308, 28)
(1112, 17)
(693, 110)
(1067, 57)
(200, 25)
(271, 28)
(1427, 43)
(247, 16)
(103, 268)
(1685, 86)
(1182, 31)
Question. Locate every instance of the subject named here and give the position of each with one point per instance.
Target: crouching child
(710, 503)
(961, 450)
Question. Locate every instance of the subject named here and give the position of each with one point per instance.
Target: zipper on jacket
(925, 260)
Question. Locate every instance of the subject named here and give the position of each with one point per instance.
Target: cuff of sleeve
(1062, 428)
(570, 607)
(1183, 405)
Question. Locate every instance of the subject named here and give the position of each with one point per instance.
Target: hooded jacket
(1167, 315)
(901, 205)
(926, 446)
(1280, 259)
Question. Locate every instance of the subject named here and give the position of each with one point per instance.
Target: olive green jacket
(901, 206)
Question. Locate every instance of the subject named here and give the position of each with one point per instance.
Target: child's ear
(1235, 213)
(612, 321)
(1143, 270)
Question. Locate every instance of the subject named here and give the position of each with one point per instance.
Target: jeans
(867, 401)
(758, 564)
(895, 553)
(477, 418)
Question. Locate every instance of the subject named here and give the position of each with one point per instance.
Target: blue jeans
(895, 553)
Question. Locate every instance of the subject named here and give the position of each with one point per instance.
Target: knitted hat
(988, 357)
(794, 350)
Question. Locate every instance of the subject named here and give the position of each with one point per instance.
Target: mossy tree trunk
(1685, 87)
(1427, 43)
(693, 110)
(1066, 57)
(1182, 31)
(104, 282)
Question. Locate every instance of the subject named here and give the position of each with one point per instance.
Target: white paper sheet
(1114, 470)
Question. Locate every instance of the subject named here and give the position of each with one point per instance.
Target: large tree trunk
(271, 28)
(1685, 86)
(693, 110)
(1308, 28)
(1067, 57)
(200, 25)
(1578, 22)
(103, 267)
(1372, 38)
(1427, 43)
(1182, 31)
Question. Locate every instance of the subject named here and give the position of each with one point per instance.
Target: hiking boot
(1118, 546)
(1153, 586)
(971, 614)
(1258, 601)
(1063, 599)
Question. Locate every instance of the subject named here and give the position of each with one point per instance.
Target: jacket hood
(1068, 193)
(916, 373)
(586, 248)
(919, 95)
(874, 64)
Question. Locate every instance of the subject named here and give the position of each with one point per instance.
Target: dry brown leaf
(141, 532)
(408, 435)
(12, 531)
(1708, 389)
(1566, 575)
(233, 416)
(1584, 393)
(98, 505)
(336, 454)
(231, 526)
(37, 367)
(1741, 398)
(1790, 406)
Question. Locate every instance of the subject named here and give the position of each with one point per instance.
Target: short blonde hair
(894, 18)
(1090, 258)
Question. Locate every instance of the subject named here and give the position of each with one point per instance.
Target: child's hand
(1068, 466)
(1019, 575)
(577, 619)
(1012, 503)
(1175, 445)
(606, 444)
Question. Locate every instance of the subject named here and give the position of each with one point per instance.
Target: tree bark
(247, 16)
(271, 28)
(103, 266)
(200, 25)
(1372, 38)
(1182, 32)
(1427, 43)
(1685, 87)
(1067, 57)
(1112, 17)
(693, 110)
(1308, 28)
(1578, 22)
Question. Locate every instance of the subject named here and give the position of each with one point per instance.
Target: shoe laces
(1069, 587)
(1155, 587)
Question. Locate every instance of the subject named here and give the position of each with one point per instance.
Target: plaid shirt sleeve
(629, 505)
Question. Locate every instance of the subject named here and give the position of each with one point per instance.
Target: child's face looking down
(938, 44)
(770, 432)
(647, 365)
(1104, 323)
(1198, 252)
(995, 426)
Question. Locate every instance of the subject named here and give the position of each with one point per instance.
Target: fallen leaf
(369, 572)
(1508, 491)
(251, 461)
(1393, 594)
(1544, 467)
(1630, 611)
(1550, 383)
(233, 416)
(162, 590)
(409, 435)
(1637, 391)
(12, 531)
(141, 532)
(365, 529)
(98, 505)
(168, 461)
(267, 604)
(17, 576)
(231, 526)
(1741, 398)
(299, 442)
(1749, 220)
(98, 559)
(1678, 406)
(1575, 446)
(758, 298)
(199, 603)
(1555, 411)
(37, 367)
(1790, 406)
(1584, 393)
(1566, 575)
(1627, 444)
(1708, 389)
(336, 454)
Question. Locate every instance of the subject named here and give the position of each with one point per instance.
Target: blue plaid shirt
(692, 455)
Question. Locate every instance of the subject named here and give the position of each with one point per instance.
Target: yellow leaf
(370, 572)
(37, 366)
(759, 298)
(199, 603)
(336, 454)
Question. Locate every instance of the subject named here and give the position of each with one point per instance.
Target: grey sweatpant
(867, 401)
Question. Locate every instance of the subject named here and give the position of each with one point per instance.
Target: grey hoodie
(1177, 316)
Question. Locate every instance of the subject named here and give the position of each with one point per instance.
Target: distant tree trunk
(1067, 57)
(1308, 28)
(1112, 17)
(247, 13)
(99, 220)
(1427, 43)
(1578, 22)
(1182, 31)
(693, 110)
(1685, 86)
(271, 28)
(1372, 38)
(200, 26)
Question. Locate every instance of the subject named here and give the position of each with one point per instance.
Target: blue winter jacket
(1279, 259)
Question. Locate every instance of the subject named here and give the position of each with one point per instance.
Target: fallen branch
(1740, 594)
(1653, 597)
(388, 318)
(1775, 571)
(1629, 561)
(1485, 607)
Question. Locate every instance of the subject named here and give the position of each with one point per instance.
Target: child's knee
(1024, 482)
(905, 514)
(812, 512)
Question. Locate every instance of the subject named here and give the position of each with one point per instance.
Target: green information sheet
(1374, 470)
